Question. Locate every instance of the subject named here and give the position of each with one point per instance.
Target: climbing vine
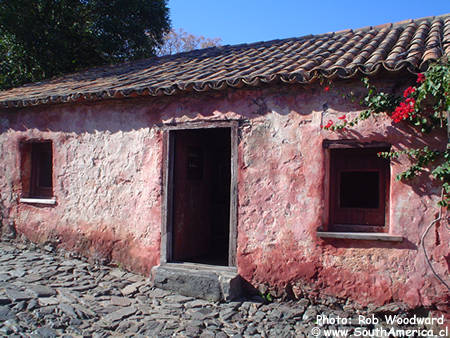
(424, 105)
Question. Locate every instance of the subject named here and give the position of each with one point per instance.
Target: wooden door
(201, 195)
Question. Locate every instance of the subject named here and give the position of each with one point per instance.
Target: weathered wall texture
(108, 186)
(107, 181)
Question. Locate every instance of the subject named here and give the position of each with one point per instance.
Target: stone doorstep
(199, 281)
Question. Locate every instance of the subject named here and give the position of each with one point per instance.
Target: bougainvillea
(408, 91)
(425, 105)
(404, 110)
(420, 78)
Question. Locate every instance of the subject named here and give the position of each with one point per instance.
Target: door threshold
(210, 282)
(201, 266)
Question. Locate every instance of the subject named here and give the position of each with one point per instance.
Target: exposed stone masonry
(48, 294)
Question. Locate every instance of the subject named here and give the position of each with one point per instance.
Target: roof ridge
(308, 36)
(402, 22)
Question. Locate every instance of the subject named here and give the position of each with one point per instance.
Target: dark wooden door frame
(168, 168)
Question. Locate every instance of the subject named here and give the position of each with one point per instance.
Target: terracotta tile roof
(408, 45)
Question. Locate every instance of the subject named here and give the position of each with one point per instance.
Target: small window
(359, 185)
(37, 169)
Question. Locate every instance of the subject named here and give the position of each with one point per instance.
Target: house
(217, 157)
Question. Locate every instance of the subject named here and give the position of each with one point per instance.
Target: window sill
(368, 236)
(48, 201)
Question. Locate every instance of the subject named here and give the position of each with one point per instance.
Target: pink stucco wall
(108, 186)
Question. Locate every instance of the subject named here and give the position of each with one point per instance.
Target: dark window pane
(41, 169)
(45, 169)
(359, 189)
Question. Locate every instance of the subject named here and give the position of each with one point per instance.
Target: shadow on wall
(404, 137)
(360, 244)
(137, 113)
(118, 115)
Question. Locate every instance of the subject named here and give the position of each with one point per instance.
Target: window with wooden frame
(37, 169)
(359, 187)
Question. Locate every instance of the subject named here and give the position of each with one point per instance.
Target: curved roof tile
(410, 45)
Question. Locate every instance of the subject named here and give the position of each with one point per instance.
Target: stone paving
(47, 294)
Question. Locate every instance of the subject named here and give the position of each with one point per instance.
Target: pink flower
(408, 91)
(327, 88)
(328, 125)
(404, 110)
(410, 101)
(420, 78)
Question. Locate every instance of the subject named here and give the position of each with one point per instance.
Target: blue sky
(244, 21)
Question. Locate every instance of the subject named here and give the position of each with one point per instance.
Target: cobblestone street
(47, 295)
(44, 294)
